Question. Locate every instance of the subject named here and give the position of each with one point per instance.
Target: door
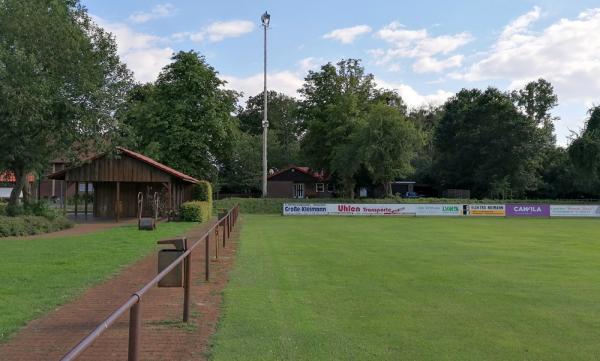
(298, 190)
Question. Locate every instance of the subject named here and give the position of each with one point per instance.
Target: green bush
(42, 209)
(202, 192)
(196, 211)
(275, 205)
(2, 208)
(29, 225)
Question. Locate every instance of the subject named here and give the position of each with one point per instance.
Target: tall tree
(536, 100)
(386, 144)
(185, 118)
(485, 144)
(284, 122)
(335, 99)
(60, 84)
(425, 120)
(584, 152)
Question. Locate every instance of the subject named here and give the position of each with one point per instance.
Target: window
(320, 187)
(330, 187)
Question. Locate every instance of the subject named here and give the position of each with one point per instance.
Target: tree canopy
(483, 143)
(184, 119)
(61, 82)
(584, 152)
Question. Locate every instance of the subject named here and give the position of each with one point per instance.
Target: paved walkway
(163, 336)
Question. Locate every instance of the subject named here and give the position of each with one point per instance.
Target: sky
(426, 50)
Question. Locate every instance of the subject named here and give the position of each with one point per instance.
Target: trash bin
(166, 257)
(148, 224)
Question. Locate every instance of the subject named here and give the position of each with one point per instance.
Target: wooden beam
(86, 199)
(170, 200)
(76, 197)
(117, 206)
(65, 188)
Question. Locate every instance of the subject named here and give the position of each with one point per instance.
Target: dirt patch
(163, 336)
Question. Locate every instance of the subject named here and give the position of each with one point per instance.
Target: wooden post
(170, 200)
(76, 197)
(117, 208)
(86, 199)
(65, 187)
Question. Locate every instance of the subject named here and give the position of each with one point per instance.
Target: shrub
(29, 225)
(196, 211)
(202, 192)
(42, 209)
(2, 208)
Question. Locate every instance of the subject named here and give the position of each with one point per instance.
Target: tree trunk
(387, 188)
(350, 184)
(21, 185)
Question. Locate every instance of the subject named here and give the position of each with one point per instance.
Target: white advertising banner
(346, 209)
(574, 211)
(299, 209)
(439, 210)
(372, 209)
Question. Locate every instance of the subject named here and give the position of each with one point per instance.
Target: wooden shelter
(118, 180)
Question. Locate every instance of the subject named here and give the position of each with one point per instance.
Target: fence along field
(449, 210)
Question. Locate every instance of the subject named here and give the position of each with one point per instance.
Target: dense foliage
(196, 211)
(60, 85)
(184, 118)
(585, 153)
(470, 154)
(29, 225)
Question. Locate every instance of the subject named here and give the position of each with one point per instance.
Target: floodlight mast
(265, 19)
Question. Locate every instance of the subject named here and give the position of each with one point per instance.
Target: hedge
(275, 205)
(29, 225)
(202, 192)
(196, 211)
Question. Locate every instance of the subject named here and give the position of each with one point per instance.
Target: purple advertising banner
(528, 210)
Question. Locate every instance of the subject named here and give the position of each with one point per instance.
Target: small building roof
(140, 157)
(318, 176)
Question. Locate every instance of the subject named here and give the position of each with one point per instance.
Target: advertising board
(528, 210)
(300, 209)
(574, 211)
(350, 209)
(439, 210)
(492, 210)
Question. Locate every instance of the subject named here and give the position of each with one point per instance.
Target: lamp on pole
(265, 19)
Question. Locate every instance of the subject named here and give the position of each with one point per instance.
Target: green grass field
(38, 275)
(340, 288)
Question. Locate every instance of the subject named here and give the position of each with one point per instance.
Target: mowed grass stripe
(39, 274)
(352, 288)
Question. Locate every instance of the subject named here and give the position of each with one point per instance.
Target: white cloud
(286, 82)
(564, 53)
(418, 44)
(310, 63)
(157, 12)
(431, 65)
(144, 54)
(413, 98)
(220, 30)
(348, 35)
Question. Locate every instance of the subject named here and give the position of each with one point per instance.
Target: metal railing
(133, 304)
